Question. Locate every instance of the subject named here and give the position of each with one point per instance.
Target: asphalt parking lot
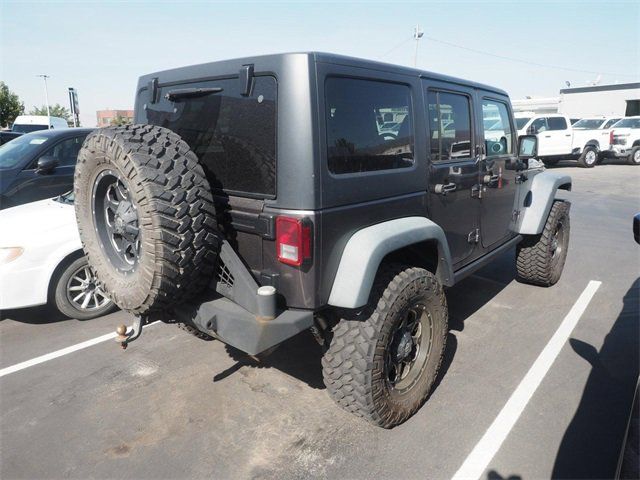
(175, 406)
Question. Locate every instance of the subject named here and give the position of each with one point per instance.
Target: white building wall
(598, 100)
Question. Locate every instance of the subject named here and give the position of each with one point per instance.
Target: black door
(453, 167)
(31, 185)
(497, 169)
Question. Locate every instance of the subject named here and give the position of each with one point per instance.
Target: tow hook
(125, 336)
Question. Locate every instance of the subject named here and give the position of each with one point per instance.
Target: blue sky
(102, 47)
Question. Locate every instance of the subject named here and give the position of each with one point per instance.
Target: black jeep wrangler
(257, 198)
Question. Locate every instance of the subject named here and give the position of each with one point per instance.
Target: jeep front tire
(146, 218)
(382, 366)
(540, 258)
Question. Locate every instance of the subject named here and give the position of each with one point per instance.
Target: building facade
(106, 118)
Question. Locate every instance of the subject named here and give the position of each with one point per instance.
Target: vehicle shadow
(34, 315)
(300, 356)
(591, 445)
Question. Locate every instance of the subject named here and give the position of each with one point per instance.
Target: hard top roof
(323, 57)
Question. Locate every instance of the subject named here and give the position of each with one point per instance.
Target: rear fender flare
(366, 248)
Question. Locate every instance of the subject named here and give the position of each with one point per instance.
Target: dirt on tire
(175, 216)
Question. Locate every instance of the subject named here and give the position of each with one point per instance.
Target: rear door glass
(233, 135)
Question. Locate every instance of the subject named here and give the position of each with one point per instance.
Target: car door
(453, 167)
(558, 135)
(32, 185)
(497, 169)
(539, 127)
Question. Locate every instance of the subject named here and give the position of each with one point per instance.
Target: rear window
(521, 122)
(556, 123)
(28, 128)
(233, 135)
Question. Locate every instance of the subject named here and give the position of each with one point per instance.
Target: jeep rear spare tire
(145, 215)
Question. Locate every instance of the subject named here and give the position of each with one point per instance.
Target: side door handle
(547, 136)
(444, 188)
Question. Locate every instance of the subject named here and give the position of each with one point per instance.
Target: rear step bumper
(243, 314)
(242, 329)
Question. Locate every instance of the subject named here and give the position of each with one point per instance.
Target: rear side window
(369, 125)
(450, 126)
(233, 135)
(557, 123)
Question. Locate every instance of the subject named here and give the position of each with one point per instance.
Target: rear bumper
(242, 329)
(619, 151)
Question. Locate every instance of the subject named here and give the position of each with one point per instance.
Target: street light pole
(417, 35)
(46, 96)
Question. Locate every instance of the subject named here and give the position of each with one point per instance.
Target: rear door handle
(568, 135)
(444, 188)
(547, 136)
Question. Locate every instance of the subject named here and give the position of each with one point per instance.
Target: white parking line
(59, 353)
(479, 458)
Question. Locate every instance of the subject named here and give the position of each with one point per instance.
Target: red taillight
(293, 240)
(611, 137)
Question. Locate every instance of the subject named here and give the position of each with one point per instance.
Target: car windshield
(28, 128)
(521, 122)
(628, 123)
(11, 153)
(588, 123)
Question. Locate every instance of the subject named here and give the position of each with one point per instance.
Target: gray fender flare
(366, 248)
(537, 201)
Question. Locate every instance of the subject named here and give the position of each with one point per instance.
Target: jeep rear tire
(145, 215)
(634, 156)
(382, 367)
(589, 157)
(540, 258)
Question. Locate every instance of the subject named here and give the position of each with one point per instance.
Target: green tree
(10, 106)
(119, 120)
(56, 110)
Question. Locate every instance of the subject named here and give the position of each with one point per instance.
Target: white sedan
(41, 261)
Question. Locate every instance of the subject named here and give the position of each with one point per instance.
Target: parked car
(39, 165)
(625, 140)
(41, 261)
(558, 140)
(252, 235)
(32, 123)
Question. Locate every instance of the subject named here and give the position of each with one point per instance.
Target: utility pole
(46, 93)
(417, 35)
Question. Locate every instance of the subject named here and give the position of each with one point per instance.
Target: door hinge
(474, 236)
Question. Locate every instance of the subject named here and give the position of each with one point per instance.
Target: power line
(406, 40)
(526, 61)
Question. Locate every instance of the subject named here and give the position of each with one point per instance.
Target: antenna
(417, 35)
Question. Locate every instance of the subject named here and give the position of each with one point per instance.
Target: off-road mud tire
(354, 366)
(175, 210)
(535, 260)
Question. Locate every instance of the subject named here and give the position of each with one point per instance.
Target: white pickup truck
(558, 140)
(625, 140)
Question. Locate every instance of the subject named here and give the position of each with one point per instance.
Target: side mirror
(636, 227)
(527, 147)
(532, 130)
(46, 165)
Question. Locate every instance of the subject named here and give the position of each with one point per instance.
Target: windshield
(521, 122)
(588, 123)
(11, 153)
(628, 123)
(28, 128)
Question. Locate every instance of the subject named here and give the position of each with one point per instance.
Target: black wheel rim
(409, 347)
(84, 292)
(116, 220)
